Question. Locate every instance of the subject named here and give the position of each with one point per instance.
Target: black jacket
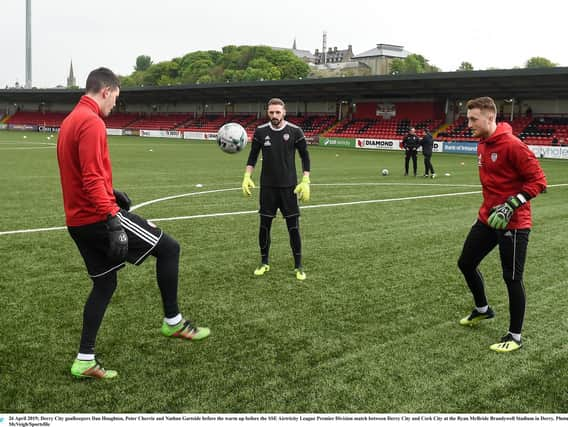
(427, 144)
(411, 142)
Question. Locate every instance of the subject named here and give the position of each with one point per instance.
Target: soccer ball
(232, 138)
(385, 172)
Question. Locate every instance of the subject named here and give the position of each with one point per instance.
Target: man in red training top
(106, 234)
(510, 176)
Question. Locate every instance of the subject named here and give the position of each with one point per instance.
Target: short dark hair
(483, 103)
(100, 78)
(276, 101)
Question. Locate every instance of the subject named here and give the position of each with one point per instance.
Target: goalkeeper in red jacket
(510, 176)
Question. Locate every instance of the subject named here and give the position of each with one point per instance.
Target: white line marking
(32, 230)
(149, 202)
(26, 148)
(323, 205)
(24, 143)
(399, 184)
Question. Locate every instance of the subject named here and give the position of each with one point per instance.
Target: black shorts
(92, 241)
(273, 198)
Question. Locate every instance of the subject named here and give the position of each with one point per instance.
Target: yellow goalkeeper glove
(247, 184)
(303, 189)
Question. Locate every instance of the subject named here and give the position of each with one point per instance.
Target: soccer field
(373, 329)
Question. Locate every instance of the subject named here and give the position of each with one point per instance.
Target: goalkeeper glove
(117, 239)
(500, 215)
(303, 189)
(247, 184)
(122, 200)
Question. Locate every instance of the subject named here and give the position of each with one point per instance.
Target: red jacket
(508, 167)
(84, 166)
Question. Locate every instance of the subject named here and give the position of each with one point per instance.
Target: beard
(275, 122)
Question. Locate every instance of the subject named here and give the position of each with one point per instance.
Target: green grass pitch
(374, 328)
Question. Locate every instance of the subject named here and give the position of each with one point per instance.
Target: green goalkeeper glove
(303, 189)
(500, 215)
(247, 184)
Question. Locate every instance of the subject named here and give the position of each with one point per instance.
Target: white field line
(43, 146)
(323, 205)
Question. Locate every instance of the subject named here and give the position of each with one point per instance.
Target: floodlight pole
(28, 84)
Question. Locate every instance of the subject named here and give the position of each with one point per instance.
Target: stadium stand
(120, 120)
(314, 124)
(212, 123)
(379, 128)
(53, 119)
(547, 129)
(533, 131)
(160, 121)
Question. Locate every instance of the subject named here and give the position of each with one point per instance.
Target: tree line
(257, 63)
(232, 64)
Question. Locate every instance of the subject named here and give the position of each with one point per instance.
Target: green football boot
(91, 369)
(475, 317)
(185, 330)
(507, 344)
(263, 268)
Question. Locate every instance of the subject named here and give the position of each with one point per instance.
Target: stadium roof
(542, 83)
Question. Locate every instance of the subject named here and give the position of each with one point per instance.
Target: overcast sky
(112, 33)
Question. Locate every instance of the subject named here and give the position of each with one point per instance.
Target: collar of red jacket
(503, 128)
(90, 103)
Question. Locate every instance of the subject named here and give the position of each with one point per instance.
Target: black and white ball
(232, 138)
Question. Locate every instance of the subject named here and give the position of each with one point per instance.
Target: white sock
(173, 320)
(517, 337)
(86, 357)
(482, 309)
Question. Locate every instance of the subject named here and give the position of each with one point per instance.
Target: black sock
(264, 237)
(293, 224)
(94, 310)
(167, 267)
(516, 292)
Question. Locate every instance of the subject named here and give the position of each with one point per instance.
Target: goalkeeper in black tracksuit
(410, 143)
(278, 140)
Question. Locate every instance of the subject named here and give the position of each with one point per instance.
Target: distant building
(304, 55)
(333, 56)
(334, 61)
(340, 69)
(380, 57)
(71, 81)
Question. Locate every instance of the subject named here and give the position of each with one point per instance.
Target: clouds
(109, 33)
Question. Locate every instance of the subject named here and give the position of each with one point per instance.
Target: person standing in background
(410, 144)
(427, 143)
